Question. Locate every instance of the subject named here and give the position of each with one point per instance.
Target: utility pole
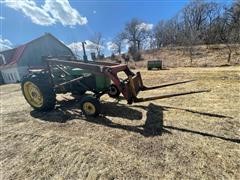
(85, 59)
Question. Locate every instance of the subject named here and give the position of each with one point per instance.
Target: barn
(14, 63)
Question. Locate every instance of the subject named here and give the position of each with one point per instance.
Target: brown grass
(203, 56)
(188, 137)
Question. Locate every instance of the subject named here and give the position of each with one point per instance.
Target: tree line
(199, 22)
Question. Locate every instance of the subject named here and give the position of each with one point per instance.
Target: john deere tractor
(40, 86)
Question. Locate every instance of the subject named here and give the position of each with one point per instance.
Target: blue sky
(77, 20)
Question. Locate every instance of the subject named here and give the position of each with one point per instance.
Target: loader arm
(130, 87)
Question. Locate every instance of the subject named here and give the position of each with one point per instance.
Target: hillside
(203, 56)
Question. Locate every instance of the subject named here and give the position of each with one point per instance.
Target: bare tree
(97, 41)
(227, 27)
(213, 11)
(118, 41)
(194, 17)
(135, 33)
(201, 22)
(159, 34)
(234, 17)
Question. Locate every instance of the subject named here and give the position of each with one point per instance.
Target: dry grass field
(203, 56)
(195, 136)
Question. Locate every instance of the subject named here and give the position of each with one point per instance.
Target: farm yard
(61, 61)
(195, 136)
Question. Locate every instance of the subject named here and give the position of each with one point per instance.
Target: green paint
(154, 64)
(101, 82)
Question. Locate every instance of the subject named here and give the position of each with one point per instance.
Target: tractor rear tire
(113, 91)
(90, 106)
(38, 91)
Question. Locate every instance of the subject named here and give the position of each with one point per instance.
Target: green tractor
(40, 86)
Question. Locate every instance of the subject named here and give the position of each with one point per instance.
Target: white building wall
(22, 71)
(10, 75)
(14, 74)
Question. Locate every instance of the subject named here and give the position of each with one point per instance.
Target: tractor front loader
(40, 86)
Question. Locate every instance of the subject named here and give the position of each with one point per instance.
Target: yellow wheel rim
(89, 108)
(33, 94)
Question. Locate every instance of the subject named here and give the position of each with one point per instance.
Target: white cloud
(111, 46)
(58, 11)
(62, 12)
(145, 26)
(76, 47)
(2, 18)
(30, 9)
(92, 46)
(5, 44)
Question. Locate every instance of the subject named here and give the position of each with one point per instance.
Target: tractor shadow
(67, 110)
(154, 122)
(153, 126)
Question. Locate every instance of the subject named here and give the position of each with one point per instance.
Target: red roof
(17, 54)
(12, 56)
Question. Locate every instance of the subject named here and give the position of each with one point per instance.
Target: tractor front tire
(90, 106)
(38, 91)
(113, 91)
